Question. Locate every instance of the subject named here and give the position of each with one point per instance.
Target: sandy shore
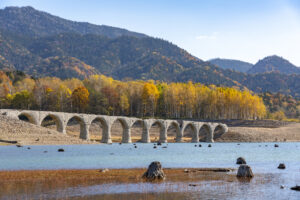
(16, 131)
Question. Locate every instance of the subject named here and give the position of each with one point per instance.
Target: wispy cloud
(212, 36)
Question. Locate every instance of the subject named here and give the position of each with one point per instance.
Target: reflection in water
(263, 186)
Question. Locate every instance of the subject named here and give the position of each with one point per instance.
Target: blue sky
(238, 29)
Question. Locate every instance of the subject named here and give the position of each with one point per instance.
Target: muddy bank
(14, 182)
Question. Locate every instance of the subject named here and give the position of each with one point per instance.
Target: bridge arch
(162, 131)
(126, 134)
(176, 128)
(137, 129)
(219, 130)
(205, 133)
(58, 122)
(193, 133)
(83, 126)
(104, 125)
(29, 116)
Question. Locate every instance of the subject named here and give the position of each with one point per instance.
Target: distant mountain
(40, 44)
(274, 64)
(236, 65)
(30, 22)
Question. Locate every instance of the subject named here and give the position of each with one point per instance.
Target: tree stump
(244, 171)
(154, 172)
(241, 161)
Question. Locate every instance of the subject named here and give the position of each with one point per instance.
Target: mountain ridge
(274, 63)
(236, 65)
(11, 18)
(73, 54)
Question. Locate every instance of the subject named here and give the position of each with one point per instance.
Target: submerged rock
(61, 150)
(158, 143)
(276, 145)
(297, 188)
(241, 161)
(281, 166)
(244, 171)
(209, 145)
(154, 172)
(103, 170)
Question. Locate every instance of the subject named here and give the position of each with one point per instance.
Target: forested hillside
(40, 45)
(103, 95)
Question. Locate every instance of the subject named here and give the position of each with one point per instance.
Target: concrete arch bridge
(61, 119)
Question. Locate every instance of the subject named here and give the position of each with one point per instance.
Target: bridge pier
(84, 131)
(210, 136)
(163, 134)
(126, 137)
(106, 134)
(146, 135)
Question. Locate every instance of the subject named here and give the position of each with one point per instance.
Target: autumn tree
(80, 98)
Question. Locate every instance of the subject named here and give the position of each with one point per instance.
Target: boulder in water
(240, 161)
(154, 172)
(244, 171)
(61, 150)
(297, 188)
(281, 166)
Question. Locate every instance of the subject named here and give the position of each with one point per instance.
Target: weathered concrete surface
(62, 119)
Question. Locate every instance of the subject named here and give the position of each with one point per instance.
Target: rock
(154, 172)
(61, 150)
(281, 166)
(37, 140)
(297, 188)
(45, 151)
(158, 143)
(154, 147)
(240, 161)
(135, 146)
(103, 170)
(276, 145)
(244, 171)
(164, 147)
(282, 187)
(193, 185)
(209, 145)
(120, 143)
(200, 145)
(195, 145)
(28, 148)
(186, 171)
(238, 144)
(19, 145)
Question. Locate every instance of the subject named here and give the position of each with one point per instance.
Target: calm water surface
(262, 157)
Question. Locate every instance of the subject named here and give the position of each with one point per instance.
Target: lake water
(262, 157)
